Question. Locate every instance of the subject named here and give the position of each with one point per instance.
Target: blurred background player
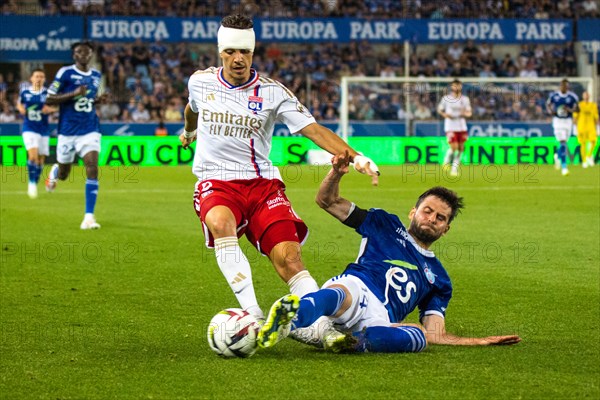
(36, 131)
(75, 88)
(395, 272)
(454, 108)
(232, 111)
(586, 119)
(561, 104)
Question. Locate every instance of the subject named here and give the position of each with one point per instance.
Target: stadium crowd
(540, 9)
(148, 81)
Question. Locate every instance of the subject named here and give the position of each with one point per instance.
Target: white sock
(53, 174)
(302, 283)
(449, 155)
(457, 158)
(236, 269)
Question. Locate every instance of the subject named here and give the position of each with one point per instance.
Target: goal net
(411, 103)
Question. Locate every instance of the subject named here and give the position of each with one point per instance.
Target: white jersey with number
(235, 124)
(455, 107)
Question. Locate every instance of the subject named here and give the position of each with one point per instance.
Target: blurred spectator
(109, 110)
(529, 71)
(140, 114)
(563, 7)
(487, 72)
(173, 112)
(589, 8)
(455, 51)
(7, 114)
(422, 112)
(3, 87)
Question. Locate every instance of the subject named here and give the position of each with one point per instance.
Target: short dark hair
(237, 21)
(456, 80)
(564, 81)
(37, 70)
(449, 197)
(84, 43)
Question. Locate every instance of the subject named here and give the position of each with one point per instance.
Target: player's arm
(468, 111)
(435, 327)
(21, 108)
(46, 109)
(549, 105)
(440, 110)
(189, 128)
(59, 98)
(328, 196)
(332, 143)
(575, 107)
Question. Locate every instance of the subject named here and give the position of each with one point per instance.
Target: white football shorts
(68, 146)
(34, 140)
(562, 128)
(365, 310)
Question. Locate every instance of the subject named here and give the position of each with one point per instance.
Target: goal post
(413, 89)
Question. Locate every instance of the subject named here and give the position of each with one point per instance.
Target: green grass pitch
(122, 312)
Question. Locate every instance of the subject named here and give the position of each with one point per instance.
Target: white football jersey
(235, 124)
(455, 107)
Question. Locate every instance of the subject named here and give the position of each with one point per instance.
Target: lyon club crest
(255, 103)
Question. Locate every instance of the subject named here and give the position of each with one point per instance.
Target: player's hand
(47, 109)
(341, 163)
(501, 340)
(185, 141)
(365, 165)
(80, 91)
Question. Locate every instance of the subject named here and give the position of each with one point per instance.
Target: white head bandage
(231, 38)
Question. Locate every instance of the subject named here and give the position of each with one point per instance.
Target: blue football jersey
(560, 101)
(77, 116)
(397, 270)
(35, 120)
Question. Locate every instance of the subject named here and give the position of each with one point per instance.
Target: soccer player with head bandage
(231, 114)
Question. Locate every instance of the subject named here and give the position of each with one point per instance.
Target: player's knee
(288, 256)
(221, 227)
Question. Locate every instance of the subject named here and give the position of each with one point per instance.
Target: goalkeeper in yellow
(586, 119)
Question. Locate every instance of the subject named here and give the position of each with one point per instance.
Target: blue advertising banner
(340, 30)
(489, 129)
(39, 38)
(588, 33)
(588, 29)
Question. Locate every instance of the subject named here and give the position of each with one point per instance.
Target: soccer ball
(232, 333)
(561, 111)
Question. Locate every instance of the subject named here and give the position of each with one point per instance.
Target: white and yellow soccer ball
(233, 332)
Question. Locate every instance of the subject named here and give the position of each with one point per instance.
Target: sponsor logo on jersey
(277, 201)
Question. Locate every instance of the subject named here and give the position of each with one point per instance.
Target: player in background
(75, 88)
(561, 104)
(36, 131)
(231, 113)
(394, 273)
(454, 108)
(587, 120)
